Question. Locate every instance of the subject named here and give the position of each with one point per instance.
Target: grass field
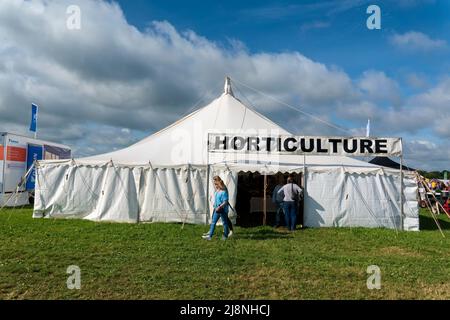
(164, 261)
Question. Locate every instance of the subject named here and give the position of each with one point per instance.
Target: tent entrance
(250, 199)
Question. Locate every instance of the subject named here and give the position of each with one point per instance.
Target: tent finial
(227, 89)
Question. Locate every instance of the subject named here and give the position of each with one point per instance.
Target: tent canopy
(167, 177)
(185, 141)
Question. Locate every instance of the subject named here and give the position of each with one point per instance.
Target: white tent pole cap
(227, 89)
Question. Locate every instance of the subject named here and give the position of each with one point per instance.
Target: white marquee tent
(166, 177)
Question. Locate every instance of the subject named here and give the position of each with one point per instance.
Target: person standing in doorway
(277, 200)
(220, 209)
(292, 193)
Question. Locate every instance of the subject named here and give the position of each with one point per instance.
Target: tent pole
(401, 193)
(304, 168)
(265, 202)
(207, 194)
(304, 189)
(207, 181)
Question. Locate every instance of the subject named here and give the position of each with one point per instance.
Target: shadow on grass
(264, 234)
(428, 223)
(18, 208)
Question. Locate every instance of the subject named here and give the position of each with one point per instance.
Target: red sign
(1, 153)
(16, 154)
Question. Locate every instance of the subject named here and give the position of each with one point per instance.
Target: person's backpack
(296, 195)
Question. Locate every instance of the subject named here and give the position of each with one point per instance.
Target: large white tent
(166, 177)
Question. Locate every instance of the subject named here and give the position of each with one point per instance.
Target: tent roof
(185, 141)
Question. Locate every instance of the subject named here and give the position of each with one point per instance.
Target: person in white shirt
(292, 193)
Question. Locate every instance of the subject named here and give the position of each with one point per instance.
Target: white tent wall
(173, 195)
(118, 197)
(68, 190)
(178, 194)
(335, 197)
(410, 202)
(126, 193)
(339, 198)
(51, 199)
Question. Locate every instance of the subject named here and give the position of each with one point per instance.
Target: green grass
(164, 261)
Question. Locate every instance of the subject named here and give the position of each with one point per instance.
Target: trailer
(17, 155)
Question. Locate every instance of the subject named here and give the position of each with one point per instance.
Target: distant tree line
(434, 174)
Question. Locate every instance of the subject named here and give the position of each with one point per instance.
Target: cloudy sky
(134, 67)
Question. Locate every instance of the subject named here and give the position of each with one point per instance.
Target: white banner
(309, 145)
(15, 162)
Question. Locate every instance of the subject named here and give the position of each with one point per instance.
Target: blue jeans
(290, 214)
(215, 218)
(279, 213)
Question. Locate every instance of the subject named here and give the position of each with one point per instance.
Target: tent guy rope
(293, 107)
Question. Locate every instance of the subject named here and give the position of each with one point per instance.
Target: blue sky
(332, 32)
(136, 66)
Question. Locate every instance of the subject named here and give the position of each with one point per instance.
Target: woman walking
(220, 210)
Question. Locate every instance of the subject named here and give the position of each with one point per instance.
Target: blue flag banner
(34, 113)
(34, 153)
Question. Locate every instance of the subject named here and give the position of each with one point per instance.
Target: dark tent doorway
(250, 198)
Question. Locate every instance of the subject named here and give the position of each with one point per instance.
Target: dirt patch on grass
(267, 283)
(439, 291)
(398, 251)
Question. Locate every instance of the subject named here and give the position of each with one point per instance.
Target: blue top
(277, 198)
(219, 198)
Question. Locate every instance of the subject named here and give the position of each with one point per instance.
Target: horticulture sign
(310, 145)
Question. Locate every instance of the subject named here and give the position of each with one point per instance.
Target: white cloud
(314, 25)
(427, 155)
(416, 81)
(432, 108)
(360, 111)
(414, 40)
(379, 87)
(93, 83)
(427, 111)
(113, 74)
(413, 3)
(317, 8)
